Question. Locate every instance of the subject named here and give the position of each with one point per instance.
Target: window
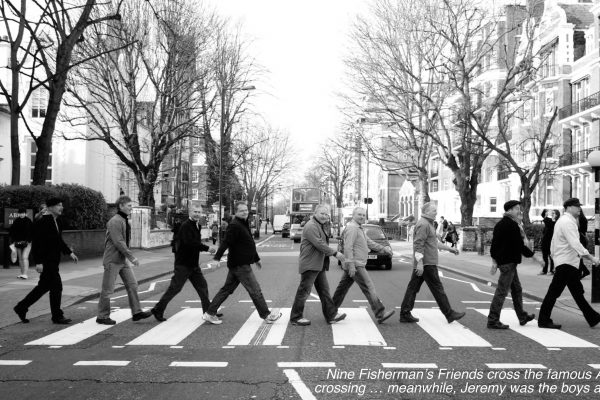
(195, 194)
(585, 189)
(39, 101)
(576, 189)
(580, 89)
(195, 176)
(195, 159)
(549, 199)
(33, 151)
(434, 186)
(492, 204)
(586, 137)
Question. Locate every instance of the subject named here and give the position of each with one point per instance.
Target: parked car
(285, 230)
(296, 232)
(278, 222)
(376, 234)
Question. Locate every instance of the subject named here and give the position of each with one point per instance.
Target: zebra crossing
(358, 329)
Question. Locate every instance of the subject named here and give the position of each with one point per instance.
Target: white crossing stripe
(173, 330)
(305, 364)
(409, 365)
(358, 329)
(107, 363)
(270, 334)
(545, 337)
(455, 334)
(14, 362)
(301, 388)
(79, 332)
(515, 366)
(216, 364)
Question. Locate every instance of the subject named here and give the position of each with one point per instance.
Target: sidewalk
(477, 268)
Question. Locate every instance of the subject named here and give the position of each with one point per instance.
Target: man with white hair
(425, 255)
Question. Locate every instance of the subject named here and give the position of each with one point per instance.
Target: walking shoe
(338, 317)
(301, 322)
(408, 317)
(497, 325)
(62, 321)
(22, 315)
(385, 316)
(22, 276)
(141, 315)
(212, 319)
(455, 316)
(105, 321)
(272, 317)
(219, 315)
(549, 325)
(526, 319)
(158, 315)
(585, 273)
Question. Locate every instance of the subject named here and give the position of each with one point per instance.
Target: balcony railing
(584, 104)
(577, 157)
(503, 175)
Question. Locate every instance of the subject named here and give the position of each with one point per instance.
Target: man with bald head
(356, 252)
(425, 257)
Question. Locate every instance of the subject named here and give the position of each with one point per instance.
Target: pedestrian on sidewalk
(313, 264)
(549, 219)
(509, 244)
(356, 251)
(47, 246)
(242, 254)
(20, 236)
(187, 266)
(582, 227)
(116, 260)
(425, 255)
(567, 250)
(214, 232)
(451, 235)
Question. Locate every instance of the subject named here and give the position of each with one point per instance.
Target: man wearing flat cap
(509, 243)
(566, 250)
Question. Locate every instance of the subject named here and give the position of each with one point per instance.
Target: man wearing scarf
(116, 254)
(509, 243)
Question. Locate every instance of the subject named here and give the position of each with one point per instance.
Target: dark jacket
(507, 244)
(189, 244)
(48, 243)
(548, 232)
(21, 230)
(238, 239)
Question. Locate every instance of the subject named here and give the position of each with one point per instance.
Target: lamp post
(594, 161)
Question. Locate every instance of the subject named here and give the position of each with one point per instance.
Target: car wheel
(388, 265)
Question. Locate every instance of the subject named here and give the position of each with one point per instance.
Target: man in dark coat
(47, 246)
(508, 245)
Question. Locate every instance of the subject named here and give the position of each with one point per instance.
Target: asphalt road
(244, 358)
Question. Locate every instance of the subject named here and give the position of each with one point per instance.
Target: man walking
(508, 244)
(47, 247)
(425, 253)
(566, 250)
(356, 251)
(242, 254)
(187, 267)
(115, 261)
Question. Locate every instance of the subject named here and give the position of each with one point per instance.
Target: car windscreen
(374, 233)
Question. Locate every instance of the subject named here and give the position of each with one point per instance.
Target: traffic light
(368, 200)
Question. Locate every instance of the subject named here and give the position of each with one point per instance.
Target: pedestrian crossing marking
(105, 363)
(270, 335)
(79, 332)
(278, 328)
(358, 329)
(15, 362)
(546, 337)
(173, 330)
(447, 335)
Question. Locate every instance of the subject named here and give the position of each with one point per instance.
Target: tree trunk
(422, 193)
(15, 153)
(525, 200)
(468, 197)
(146, 194)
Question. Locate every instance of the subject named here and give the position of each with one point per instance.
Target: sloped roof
(578, 14)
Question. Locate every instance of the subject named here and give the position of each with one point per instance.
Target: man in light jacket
(356, 251)
(314, 251)
(116, 255)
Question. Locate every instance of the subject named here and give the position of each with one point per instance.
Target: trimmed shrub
(535, 232)
(84, 208)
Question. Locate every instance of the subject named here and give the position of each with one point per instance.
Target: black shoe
(385, 316)
(549, 325)
(22, 315)
(141, 315)
(526, 319)
(584, 273)
(497, 325)
(408, 317)
(455, 316)
(159, 316)
(62, 321)
(338, 317)
(301, 322)
(593, 324)
(105, 321)
(219, 315)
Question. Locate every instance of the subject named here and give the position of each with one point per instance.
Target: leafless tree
(43, 38)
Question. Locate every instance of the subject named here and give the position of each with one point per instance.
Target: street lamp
(594, 161)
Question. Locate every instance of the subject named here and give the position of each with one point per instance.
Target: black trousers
(567, 276)
(547, 260)
(432, 278)
(181, 274)
(50, 281)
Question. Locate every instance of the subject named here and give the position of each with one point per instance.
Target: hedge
(84, 208)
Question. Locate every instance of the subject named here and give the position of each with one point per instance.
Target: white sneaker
(272, 317)
(212, 319)
(22, 276)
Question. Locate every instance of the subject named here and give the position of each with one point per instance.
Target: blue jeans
(241, 274)
(363, 280)
(431, 277)
(508, 279)
(108, 288)
(319, 280)
(181, 274)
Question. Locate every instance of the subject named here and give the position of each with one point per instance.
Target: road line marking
(358, 329)
(595, 366)
(389, 348)
(305, 364)
(107, 363)
(250, 301)
(515, 366)
(359, 301)
(314, 296)
(302, 390)
(498, 348)
(313, 301)
(150, 289)
(176, 347)
(55, 347)
(409, 365)
(244, 335)
(283, 347)
(15, 362)
(228, 347)
(447, 335)
(476, 301)
(172, 331)
(278, 328)
(118, 347)
(338, 347)
(423, 301)
(202, 364)
(149, 301)
(445, 348)
(554, 349)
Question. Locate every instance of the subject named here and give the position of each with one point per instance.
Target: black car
(376, 234)
(285, 230)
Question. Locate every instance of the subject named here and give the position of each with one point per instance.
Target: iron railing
(577, 157)
(584, 104)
